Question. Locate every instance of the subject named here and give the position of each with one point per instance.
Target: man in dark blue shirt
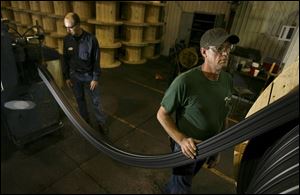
(81, 69)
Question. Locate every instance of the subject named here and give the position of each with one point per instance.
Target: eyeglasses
(71, 27)
(222, 49)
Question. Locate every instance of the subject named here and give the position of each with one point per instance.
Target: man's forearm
(169, 125)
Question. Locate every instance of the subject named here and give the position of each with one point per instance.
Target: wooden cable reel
(188, 57)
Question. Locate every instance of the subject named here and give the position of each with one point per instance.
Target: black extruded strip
(279, 166)
(278, 179)
(281, 111)
(279, 155)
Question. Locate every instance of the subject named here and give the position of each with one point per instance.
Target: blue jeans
(81, 82)
(182, 176)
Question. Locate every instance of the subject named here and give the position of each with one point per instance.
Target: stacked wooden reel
(106, 26)
(152, 34)
(49, 23)
(133, 43)
(60, 9)
(140, 26)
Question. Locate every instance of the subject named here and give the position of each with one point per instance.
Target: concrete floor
(64, 162)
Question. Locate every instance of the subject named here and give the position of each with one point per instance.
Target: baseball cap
(216, 37)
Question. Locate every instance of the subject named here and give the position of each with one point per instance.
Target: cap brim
(233, 39)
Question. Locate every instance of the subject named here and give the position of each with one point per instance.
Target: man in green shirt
(200, 98)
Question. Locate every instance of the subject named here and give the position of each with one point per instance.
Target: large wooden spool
(133, 55)
(151, 51)
(284, 83)
(151, 35)
(106, 25)
(133, 33)
(60, 9)
(133, 29)
(153, 10)
(60, 33)
(106, 11)
(86, 11)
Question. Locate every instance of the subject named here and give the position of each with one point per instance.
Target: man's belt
(279, 112)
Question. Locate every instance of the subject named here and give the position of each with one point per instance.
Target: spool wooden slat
(133, 34)
(51, 42)
(88, 27)
(49, 24)
(34, 5)
(133, 55)
(61, 7)
(85, 9)
(105, 34)
(5, 4)
(54, 68)
(107, 59)
(152, 14)
(23, 5)
(17, 16)
(47, 7)
(60, 28)
(60, 45)
(150, 33)
(105, 29)
(14, 4)
(106, 11)
(149, 51)
(135, 12)
(25, 18)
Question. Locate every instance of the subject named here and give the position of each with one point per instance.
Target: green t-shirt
(201, 105)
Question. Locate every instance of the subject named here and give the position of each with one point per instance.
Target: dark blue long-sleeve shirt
(81, 55)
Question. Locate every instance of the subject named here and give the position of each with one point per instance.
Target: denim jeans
(81, 83)
(182, 176)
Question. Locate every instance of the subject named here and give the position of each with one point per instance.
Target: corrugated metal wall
(257, 23)
(173, 12)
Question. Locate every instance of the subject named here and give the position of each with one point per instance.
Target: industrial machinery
(270, 163)
(28, 111)
(183, 59)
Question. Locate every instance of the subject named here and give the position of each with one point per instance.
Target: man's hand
(93, 85)
(69, 83)
(188, 147)
(213, 161)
